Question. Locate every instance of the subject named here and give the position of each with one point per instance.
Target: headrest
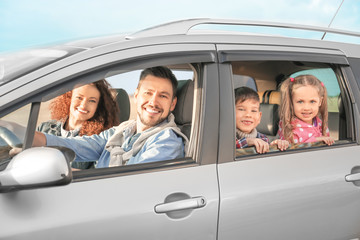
(269, 119)
(270, 96)
(122, 99)
(184, 105)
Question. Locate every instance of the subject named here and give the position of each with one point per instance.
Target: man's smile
(152, 110)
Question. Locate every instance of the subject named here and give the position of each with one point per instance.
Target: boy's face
(248, 115)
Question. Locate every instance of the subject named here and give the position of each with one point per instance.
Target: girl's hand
(260, 145)
(280, 144)
(327, 140)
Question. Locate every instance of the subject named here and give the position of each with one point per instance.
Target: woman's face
(84, 102)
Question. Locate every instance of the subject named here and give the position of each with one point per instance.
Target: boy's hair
(161, 72)
(245, 93)
(287, 112)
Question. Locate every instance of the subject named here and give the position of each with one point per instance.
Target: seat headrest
(184, 105)
(269, 106)
(270, 96)
(122, 99)
(269, 123)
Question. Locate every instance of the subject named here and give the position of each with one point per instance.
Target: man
(153, 136)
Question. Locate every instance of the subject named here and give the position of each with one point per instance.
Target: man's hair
(161, 72)
(245, 93)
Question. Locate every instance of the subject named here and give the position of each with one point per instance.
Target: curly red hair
(105, 117)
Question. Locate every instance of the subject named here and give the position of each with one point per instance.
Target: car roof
(15, 65)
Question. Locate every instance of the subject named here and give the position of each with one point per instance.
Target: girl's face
(306, 102)
(84, 102)
(248, 115)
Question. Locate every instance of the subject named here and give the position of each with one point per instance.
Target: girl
(303, 99)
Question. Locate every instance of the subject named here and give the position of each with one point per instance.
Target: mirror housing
(37, 167)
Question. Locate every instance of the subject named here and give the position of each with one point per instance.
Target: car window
(124, 82)
(268, 75)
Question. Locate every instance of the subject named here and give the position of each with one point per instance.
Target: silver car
(309, 191)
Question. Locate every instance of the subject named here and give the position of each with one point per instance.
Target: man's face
(248, 115)
(154, 101)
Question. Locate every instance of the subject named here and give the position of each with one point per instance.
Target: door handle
(191, 203)
(352, 177)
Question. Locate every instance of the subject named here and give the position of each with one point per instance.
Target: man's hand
(14, 151)
(260, 145)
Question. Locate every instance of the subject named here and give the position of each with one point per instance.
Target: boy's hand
(327, 140)
(280, 144)
(260, 145)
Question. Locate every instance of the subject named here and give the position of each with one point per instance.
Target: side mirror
(37, 167)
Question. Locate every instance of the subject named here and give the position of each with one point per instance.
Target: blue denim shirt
(164, 145)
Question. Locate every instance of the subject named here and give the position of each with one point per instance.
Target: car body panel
(121, 206)
(301, 194)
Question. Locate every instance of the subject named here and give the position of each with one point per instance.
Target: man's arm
(39, 140)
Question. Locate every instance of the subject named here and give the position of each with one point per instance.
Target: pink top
(304, 132)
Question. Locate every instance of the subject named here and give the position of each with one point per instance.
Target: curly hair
(287, 113)
(105, 117)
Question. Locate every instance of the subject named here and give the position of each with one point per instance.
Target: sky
(29, 23)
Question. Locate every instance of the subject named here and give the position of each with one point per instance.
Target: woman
(86, 110)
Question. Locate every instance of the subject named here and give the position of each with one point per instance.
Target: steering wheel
(8, 140)
(9, 137)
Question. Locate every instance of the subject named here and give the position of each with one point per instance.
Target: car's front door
(118, 207)
(177, 199)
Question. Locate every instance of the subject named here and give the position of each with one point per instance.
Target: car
(309, 191)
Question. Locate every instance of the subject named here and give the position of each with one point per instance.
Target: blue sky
(27, 23)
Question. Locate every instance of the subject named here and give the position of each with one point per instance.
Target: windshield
(13, 65)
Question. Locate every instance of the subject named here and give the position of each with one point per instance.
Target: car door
(173, 199)
(300, 194)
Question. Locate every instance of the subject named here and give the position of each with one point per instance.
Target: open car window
(124, 84)
(267, 77)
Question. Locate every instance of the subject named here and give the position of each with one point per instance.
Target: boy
(248, 116)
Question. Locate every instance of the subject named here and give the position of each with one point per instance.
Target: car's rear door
(299, 194)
